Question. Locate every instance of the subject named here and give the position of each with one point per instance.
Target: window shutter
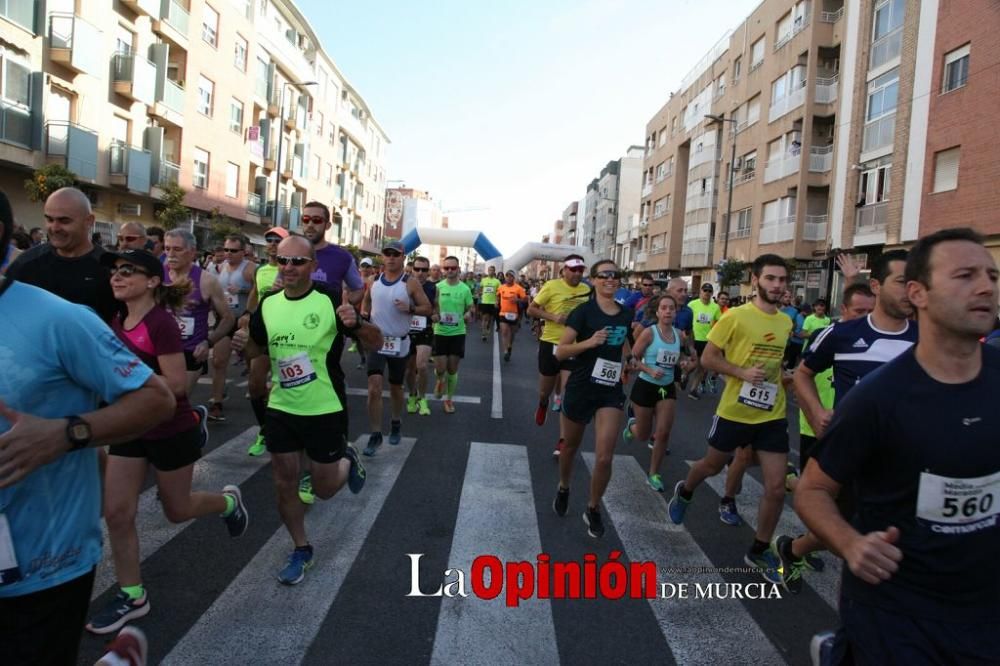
(946, 170)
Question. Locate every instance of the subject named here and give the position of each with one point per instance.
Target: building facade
(235, 101)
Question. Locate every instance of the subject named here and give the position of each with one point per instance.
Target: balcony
(641, 257)
(831, 17)
(878, 135)
(15, 124)
(255, 204)
(781, 168)
(744, 176)
(147, 7)
(739, 234)
(869, 224)
(820, 158)
(129, 167)
(270, 159)
(777, 231)
(170, 105)
(647, 190)
(75, 43)
(168, 173)
(700, 201)
(702, 157)
(173, 23)
(282, 51)
(814, 228)
(792, 100)
(134, 77)
(826, 90)
(353, 126)
(696, 253)
(886, 49)
(798, 26)
(74, 146)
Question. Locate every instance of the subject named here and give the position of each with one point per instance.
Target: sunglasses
(230, 250)
(130, 239)
(575, 269)
(451, 268)
(272, 240)
(126, 270)
(608, 275)
(391, 253)
(294, 261)
(421, 270)
(315, 219)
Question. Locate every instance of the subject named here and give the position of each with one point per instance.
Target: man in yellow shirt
(747, 346)
(705, 313)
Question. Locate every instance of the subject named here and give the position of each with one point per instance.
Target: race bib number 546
(948, 501)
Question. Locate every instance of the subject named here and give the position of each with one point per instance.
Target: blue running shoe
(729, 515)
(374, 441)
(767, 564)
(627, 432)
(201, 413)
(295, 570)
(678, 505)
(395, 437)
(357, 475)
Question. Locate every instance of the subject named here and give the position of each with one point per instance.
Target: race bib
(295, 370)
(606, 373)
(391, 345)
(186, 324)
(758, 397)
(418, 323)
(449, 318)
(704, 318)
(233, 300)
(9, 571)
(946, 501)
(487, 291)
(510, 316)
(666, 358)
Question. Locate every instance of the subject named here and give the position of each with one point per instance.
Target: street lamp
(281, 136)
(732, 172)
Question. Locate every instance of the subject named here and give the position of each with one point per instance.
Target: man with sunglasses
(392, 301)
(510, 297)
(334, 265)
(556, 299)
(452, 311)
(132, 236)
(488, 287)
(421, 343)
(297, 329)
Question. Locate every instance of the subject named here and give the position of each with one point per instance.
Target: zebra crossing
(502, 511)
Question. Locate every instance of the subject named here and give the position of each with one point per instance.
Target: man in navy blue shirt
(917, 441)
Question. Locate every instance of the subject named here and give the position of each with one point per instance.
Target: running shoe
(558, 449)
(295, 569)
(540, 412)
(557, 403)
(791, 568)
(439, 388)
(423, 408)
(627, 432)
(814, 562)
(306, 494)
(215, 412)
(201, 413)
(117, 612)
(678, 505)
(258, 447)
(357, 474)
(506, 356)
(655, 482)
(412, 404)
(129, 647)
(374, 441)
(652, 443)
(595, 524)
(729, 515)
(694, 395)
(828, 648)
(449, 407)
(484, 337)
(767, 564)
(395, 436)
(790, 474)
(238, 521)
(561, 503)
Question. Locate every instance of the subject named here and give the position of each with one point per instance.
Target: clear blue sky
(515, 106)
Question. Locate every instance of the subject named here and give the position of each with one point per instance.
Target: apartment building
(813, 110)
(611, 207)
(234, 100)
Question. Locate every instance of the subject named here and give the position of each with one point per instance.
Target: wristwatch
(78, 433)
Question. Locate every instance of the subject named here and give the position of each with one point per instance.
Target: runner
(296, 329)
(793, 350)
(392, 301)
(206, 295)
(132, 236)
(151, 333)
(706, 313)
(452, 310)
(510, 297)
(488, 287)
(917, 444)
(815, 321)
(556, 299)
(421, 343)
(751, 411)
(723, 300)
(236, 277)
(597, 335)
(50, 430)
(334, 265)
(657, 352)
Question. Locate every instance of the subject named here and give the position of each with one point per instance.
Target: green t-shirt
(824, 385)
(264, 278)
(814, 323)
(489, 288)
(705, 317)
(453, 301)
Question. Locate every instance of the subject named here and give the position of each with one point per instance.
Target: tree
(173, 212)
(48, 179)
(221, 226)
(731, 272)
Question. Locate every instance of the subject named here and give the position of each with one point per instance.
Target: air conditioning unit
(738, 164)
(130, 209)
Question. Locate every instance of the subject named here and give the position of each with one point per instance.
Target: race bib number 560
(948, 501)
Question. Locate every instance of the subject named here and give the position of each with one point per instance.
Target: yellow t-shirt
(751, 337)
(705, 317)
(557, 297)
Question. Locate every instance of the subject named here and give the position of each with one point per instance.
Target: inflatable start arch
(478, 241)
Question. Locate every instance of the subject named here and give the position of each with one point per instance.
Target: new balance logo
(860, 344)
(970, 421)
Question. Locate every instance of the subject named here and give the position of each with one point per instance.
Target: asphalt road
(477, 482)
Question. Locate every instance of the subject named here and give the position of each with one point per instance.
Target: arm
(568, 347)
(645, 338)
(354, 284)
(536, 310)
(714, 360)
(367, 333)
(173, 371)
(213, 289)
(806, 393)
(366, 303)
(422, 306)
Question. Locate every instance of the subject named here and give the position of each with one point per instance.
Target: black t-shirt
(586, 319)
(921, 454)
(81, 280)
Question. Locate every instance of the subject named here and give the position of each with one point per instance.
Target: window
(661, 138)
(882, 94)
(331, 133)
(260, 82)
(660, 208)
(737, 69)
(757, 54)
(784, 32)
(314, 170)
(328, 175)
(22, 13)
(946, 170)
(750, 161)
(874, 185)
(744, 219)
(210, 25)
(15, 84)
(232, 180)
(200, 176)
(661, 171)
(888, 17)
(956, 69)
(753, 110)
(240, 54)
(318, 122)
(235, 116)
(206, 90)
(673, 125)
